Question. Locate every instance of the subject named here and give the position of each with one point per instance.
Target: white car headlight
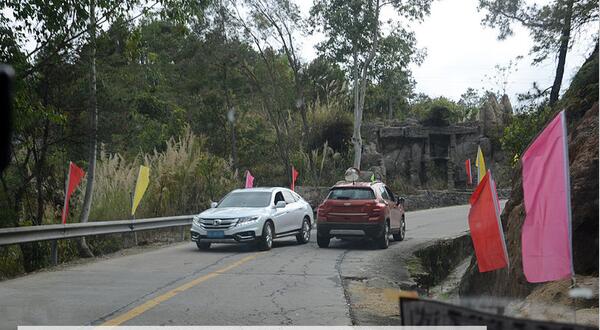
(247, 220)
(196, 220)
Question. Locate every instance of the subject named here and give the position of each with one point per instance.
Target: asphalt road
(349, 283)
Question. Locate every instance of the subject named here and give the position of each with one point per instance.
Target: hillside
(581, 105)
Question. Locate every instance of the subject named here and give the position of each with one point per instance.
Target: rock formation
(433, 155)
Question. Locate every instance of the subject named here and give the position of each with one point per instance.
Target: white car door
(280, 215)
(295, 215)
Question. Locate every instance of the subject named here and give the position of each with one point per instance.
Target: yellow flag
(480, 164)
(140, 187)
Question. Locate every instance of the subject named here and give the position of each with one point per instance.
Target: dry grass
(184, 178)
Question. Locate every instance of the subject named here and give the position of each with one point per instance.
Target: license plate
(216, 234)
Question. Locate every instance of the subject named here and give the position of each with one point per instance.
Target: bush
(438, 115)
(332, 125)
(329, 144)
(522, 130)
(440, 111)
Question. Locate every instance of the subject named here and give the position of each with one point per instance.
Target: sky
(461, 53)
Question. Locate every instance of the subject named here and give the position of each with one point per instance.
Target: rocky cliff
(581, 105)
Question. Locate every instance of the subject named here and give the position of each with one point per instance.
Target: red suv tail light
(322, 212)
(376, 209)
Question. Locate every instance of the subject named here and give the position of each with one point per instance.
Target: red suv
(355, 209)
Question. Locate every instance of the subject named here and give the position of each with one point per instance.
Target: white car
(254, 215)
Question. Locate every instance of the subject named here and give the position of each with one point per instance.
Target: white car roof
(260, 189)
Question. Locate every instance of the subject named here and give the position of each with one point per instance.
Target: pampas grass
(184, 179)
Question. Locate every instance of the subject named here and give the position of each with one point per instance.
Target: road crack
(342, 279)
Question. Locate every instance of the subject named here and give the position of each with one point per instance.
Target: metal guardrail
(19, 235)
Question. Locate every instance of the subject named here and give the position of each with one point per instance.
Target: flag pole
(135, 239)
(65, 205)
(54, 246)
(563, 120)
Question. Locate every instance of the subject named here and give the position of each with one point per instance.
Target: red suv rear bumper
(341, 229)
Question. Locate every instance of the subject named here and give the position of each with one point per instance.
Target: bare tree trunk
(40, 174)
(230, 118)
(360, 88)
(229, 108)
(356, 138)
(305, 127)
(84, 250)
(562, 54)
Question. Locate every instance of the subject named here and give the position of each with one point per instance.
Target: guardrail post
(182, 230)
(54, 253)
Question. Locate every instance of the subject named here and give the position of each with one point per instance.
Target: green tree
(354, 37)
(553, 27)
(326, 82)
(470, 101)
(271, 75)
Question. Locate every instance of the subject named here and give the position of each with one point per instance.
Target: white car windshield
(246, 199)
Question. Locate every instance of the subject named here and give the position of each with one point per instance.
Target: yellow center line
(136, 311)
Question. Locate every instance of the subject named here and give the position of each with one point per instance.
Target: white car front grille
(217, 223)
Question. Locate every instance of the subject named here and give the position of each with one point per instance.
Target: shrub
(332, 125)
(522, 130)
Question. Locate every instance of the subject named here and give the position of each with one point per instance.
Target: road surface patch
(136, 311)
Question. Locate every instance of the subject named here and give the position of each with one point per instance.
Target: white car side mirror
(280, 205)
(213, 205)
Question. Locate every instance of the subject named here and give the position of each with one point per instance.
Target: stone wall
(433, 157)
(423, 200)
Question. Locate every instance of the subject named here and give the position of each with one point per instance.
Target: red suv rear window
(351, 193)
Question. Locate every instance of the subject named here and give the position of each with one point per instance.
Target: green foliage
(583, 91)
(471, 101)
(370, 50)
(331, 125)
(522, 129)
(441, 111)
(329, 145)
(349, 25)
(10, 262)
(326, 81)
(580, 96)
(546, 22)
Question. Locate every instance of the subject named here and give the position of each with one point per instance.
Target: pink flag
(73, 179)
(294, 177)
(486, 228)
(546, 234)
(249, 180)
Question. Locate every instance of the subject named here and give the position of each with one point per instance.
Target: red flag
(249, 180)
(294, 177)
(468, 169)
(75, 176)
(486, 228)
(546, 233)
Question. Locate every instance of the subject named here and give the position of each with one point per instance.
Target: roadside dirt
(373, 291)
(551, 302)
